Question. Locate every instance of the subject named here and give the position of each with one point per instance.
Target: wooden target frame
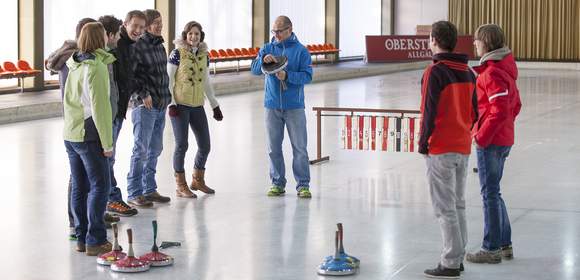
(361, 140)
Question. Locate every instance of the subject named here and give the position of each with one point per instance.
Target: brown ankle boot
(198, 182)
(182, 189)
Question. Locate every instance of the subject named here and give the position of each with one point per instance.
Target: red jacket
(498, 101)
(448, 105)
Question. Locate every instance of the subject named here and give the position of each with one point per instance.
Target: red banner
(409, 48)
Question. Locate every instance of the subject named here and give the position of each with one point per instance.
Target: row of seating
(20, 70)
(236, 54)
(233, 54)
(322, 50)
(239, 54)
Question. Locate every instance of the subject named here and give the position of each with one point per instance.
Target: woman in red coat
(498, 104)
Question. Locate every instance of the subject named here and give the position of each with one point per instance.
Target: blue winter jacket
(299, 73)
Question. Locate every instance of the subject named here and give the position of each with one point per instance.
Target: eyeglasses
(276, 32)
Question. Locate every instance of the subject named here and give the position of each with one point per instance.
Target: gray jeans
(447, 175)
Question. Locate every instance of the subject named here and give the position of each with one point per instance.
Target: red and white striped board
(355, 132)
(380, 133)
(366, 133)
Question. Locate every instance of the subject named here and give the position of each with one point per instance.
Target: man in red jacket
(499, 104)
(448, 111)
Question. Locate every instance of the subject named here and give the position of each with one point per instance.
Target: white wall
(226, 23)
(358, 19)
(307, 18)
(9, 35)
(410, 13)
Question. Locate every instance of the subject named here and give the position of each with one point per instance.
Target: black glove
(424, 150)
(217, 114)
(173, 112)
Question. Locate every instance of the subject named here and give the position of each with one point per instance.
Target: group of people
(113, 65)
(459, 105)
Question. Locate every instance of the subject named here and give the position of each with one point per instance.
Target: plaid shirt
(151, 77)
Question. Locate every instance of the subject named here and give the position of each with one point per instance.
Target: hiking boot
(121, 208)
(140, 201)
(111, 218)
(182, 189)
(198, 182)
(507, 252)
(276, 191)
(99, 249)
(483, 256)
(72, 234)
(156, 197)
(80, 247)
(304, 193)
(442, 272)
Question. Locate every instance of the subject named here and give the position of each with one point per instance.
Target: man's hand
(269, 59)
(281, 75)
(148, 102)
(108, 154)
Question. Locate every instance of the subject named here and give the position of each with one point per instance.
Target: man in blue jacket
(285, 106)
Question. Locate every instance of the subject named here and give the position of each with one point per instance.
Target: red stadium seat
(24, 67)
(231, 53)
(222, 54)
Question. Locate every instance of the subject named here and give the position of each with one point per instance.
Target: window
(9, 35)
(410, 13)
(62, 16)
(358, 19)
(226, 23)
(307, 18)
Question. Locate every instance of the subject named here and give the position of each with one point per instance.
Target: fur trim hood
(180, 43)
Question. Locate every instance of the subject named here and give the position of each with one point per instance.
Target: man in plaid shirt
(149, 101)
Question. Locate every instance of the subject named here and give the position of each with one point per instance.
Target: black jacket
(151, 78)
(124, 68)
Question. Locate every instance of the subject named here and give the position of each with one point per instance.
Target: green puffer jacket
(87, 107)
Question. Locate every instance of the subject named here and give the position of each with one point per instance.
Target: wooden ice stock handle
(115, 230)
(130, 235)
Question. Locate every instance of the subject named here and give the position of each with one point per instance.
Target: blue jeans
(295, 122)
(115, 194)
(148, 127)
(90, 190)
(497, 229)
(195, 118)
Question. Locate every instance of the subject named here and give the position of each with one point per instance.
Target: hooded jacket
(498, 99)
(448, 105)
(87, 108)
(299, 73)
(56, 61)
(151, 77)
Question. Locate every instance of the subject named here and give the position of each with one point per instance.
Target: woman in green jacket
(88, 137)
